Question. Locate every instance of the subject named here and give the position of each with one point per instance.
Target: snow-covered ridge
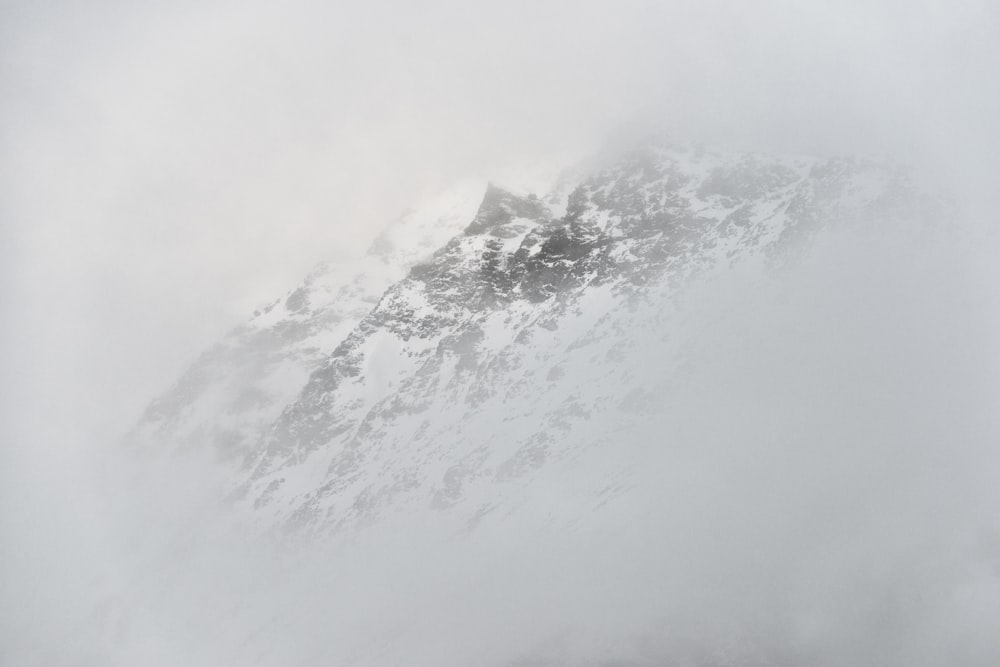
(481, 366)
(642, 397)
(483, 327)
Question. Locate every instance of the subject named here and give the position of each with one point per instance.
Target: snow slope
(495, 356)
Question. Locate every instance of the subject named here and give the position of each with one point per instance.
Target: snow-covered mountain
(659, 415)
(518, 331)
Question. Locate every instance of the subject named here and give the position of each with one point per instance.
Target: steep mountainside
(499, 354)
(579, 429)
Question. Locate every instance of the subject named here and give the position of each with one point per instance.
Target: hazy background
(165, 167)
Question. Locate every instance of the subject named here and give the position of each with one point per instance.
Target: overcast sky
(167, 166)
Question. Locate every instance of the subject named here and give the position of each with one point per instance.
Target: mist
(166, 168)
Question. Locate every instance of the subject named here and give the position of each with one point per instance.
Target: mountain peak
(336, 409)
(500, 206)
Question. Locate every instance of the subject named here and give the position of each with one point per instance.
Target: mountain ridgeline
(475, 352)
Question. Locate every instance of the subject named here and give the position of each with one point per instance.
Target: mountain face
(512, 346)
(642, 419)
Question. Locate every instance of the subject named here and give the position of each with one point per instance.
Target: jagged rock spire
(500, 206)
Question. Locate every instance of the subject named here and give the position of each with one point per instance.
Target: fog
(165, 168)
